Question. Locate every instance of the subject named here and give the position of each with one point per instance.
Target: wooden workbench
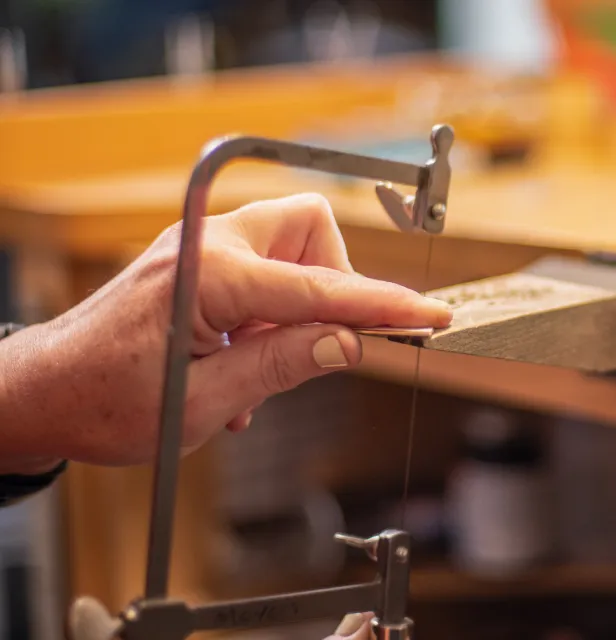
(89, 176)
(498, 222)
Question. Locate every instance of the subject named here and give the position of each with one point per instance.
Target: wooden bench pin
(526, 318)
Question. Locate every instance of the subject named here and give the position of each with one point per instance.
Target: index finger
(300, 228)
(289, 294)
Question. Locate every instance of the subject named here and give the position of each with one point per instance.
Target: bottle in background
(499, 497)
(583, 459)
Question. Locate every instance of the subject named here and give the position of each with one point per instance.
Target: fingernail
(328, 353)
(237, 426)
(444, 309)
(350, 624)
(437, 302)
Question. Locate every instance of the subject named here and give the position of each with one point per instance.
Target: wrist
(17, 487)
(28, 446)
(28, 466)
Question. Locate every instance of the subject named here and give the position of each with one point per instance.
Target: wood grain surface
(531, 319)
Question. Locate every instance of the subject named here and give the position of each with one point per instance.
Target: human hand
(355, 626)
(276, 295)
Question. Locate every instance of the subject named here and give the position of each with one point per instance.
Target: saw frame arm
(155, 616)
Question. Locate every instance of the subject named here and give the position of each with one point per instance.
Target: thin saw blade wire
(413, 409)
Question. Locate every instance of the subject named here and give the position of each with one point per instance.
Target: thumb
(355, 626)
(245, 374)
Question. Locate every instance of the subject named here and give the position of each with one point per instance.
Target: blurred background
(511, 501)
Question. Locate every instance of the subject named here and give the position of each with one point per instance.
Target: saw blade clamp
(155, 615)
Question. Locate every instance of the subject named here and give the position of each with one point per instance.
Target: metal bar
(393, 556)
(214, 157)
(172, 411)
(395, 332)
(222, 150)
(288, 608)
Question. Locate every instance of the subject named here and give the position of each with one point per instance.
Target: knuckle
(171, 235)
(277, 371)
(323, 284)
(319, 207)
(234, 223)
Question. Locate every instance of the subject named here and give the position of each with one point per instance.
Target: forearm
(27, 442)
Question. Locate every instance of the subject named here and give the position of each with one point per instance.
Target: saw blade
(414, 402)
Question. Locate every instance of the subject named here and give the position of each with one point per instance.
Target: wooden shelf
(441, 582)
(445, 583)
(538, 388)
(97, 216)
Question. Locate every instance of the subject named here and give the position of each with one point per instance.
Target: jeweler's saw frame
(155, 616)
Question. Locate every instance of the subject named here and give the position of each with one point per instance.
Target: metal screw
(130, 614)
(402, 553)
(408, 203)
(369, 546)
(438, 211)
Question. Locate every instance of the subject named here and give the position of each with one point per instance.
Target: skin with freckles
(277, 295)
